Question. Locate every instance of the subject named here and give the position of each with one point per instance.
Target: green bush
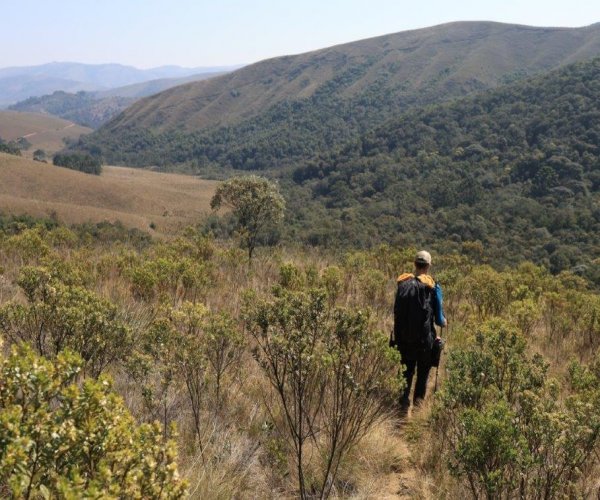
(333, 377)
(58, 316)
(504, 427)
(61, 439)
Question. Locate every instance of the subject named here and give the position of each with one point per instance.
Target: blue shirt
(438, 305)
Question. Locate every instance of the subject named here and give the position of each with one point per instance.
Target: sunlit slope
(422, 65)
(42, 131)
(137, 198)
(279, 112)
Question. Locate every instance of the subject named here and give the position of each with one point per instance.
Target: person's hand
(445, 322)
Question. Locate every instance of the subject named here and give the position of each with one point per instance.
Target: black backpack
(413, 316)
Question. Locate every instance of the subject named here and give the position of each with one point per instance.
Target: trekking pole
(437, 368)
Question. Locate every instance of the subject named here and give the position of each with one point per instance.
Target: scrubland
(274, 380)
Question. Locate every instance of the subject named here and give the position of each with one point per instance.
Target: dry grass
(42, 131)
(135, 197)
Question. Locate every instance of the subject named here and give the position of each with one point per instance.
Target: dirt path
(409, 480)
(49, 130)
(400, 484)
(406, 481)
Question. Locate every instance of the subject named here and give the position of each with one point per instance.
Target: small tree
(39, 155)
(255, 202)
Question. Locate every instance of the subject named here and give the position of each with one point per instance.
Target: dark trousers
(420, 360)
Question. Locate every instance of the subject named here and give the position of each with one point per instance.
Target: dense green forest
(282, 135)
(516, 169)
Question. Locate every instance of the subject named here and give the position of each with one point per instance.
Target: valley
(229, 303)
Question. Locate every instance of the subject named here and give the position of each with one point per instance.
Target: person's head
(422, 261)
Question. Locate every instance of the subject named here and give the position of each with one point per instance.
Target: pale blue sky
(147, 33)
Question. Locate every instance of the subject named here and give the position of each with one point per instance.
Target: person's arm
(438, 306)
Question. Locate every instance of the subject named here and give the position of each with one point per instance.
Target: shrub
(66, 440)
(503, 427)
(10, 148)
(39, 155)
(332, 375)
(59, 316)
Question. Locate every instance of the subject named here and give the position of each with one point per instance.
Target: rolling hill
(276, 110)
(134, 197)
(41, 131)
(150, 87)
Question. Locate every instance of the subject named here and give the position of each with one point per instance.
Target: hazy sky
(147, 33)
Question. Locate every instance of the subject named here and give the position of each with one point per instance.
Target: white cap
(423, 257)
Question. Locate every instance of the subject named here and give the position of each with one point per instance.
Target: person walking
(417, 307)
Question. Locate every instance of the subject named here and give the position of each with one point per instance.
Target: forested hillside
(281, 110)
(81, 107)
(517, 169)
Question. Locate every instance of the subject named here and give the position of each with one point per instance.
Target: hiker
(417, 307)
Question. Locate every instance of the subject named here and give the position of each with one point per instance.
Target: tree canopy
(256, 204)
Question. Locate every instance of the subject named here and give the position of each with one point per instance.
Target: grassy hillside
(41, 131)
(135, 197)
(144, 89)
(275, 110)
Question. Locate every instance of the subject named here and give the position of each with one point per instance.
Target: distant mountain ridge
(94, 108)
(19, 83)
(269, 113)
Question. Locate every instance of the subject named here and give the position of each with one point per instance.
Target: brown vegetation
(135, 197)
(42, 131)
(193, 358)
